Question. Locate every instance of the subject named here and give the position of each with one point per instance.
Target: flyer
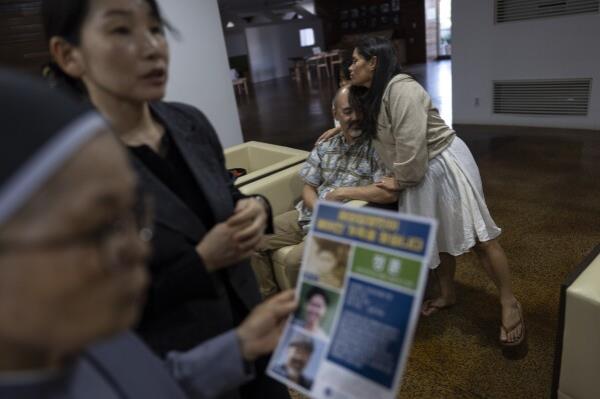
(359, 290)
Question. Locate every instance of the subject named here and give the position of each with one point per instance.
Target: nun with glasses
(73, 247)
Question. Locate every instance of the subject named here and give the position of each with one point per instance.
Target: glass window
(307, 37)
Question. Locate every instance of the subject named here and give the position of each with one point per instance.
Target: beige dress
(435, 169)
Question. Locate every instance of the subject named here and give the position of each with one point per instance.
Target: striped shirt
(336, 163)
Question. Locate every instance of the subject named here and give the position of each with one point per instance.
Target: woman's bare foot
(445, 280)
(432, 306)
(512, 330)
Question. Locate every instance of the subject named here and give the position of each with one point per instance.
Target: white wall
(550, 48)
(199, 72)
(270, 46)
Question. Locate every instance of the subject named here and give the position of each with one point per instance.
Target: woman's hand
(218, 249)
(388, 183)
(328, 134)
(249, 219)
(259, 332)
(235, 239)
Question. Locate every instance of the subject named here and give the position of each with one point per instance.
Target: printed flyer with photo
(359, 291)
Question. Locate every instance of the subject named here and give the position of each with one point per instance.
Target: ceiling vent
(518, 10)
(542, 97)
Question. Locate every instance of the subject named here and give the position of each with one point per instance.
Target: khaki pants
(287, 232)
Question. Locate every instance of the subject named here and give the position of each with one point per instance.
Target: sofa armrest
(580, 354)
(283, 189)
(261, 159)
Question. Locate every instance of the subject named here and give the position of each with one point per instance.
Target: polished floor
(282, 111)
(542, 187)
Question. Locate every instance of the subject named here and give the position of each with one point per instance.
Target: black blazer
(186, 304)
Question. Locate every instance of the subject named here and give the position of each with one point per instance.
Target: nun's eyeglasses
(137, 220)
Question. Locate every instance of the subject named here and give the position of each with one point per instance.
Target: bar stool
(335, 58)
(299, 66)
(319, 62)
(241, 85)
(322, 64)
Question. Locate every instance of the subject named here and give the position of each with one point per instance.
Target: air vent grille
(518, 10)
(542, 97)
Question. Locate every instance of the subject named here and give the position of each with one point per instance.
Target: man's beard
(354, 132)
(353, 129)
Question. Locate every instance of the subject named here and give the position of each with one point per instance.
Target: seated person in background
(299, 351)
(344, 168)
(73, 246)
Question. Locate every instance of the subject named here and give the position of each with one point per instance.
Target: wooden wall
(22, 42)
(407, 22)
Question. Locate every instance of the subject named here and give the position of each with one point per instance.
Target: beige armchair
(283, 189)
(261, 159)
(577, 363)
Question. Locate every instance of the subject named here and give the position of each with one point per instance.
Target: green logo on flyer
(385, 267)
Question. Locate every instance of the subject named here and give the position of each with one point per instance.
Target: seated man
(344, 168)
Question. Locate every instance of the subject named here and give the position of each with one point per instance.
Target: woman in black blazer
(205, 229)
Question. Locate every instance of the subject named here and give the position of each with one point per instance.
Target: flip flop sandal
(521, 322)
(434, 308)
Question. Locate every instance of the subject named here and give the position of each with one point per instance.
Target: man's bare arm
(370, 193)
(309, 196)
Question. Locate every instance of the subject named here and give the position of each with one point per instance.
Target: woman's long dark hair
(64, 18)
(386, 68)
